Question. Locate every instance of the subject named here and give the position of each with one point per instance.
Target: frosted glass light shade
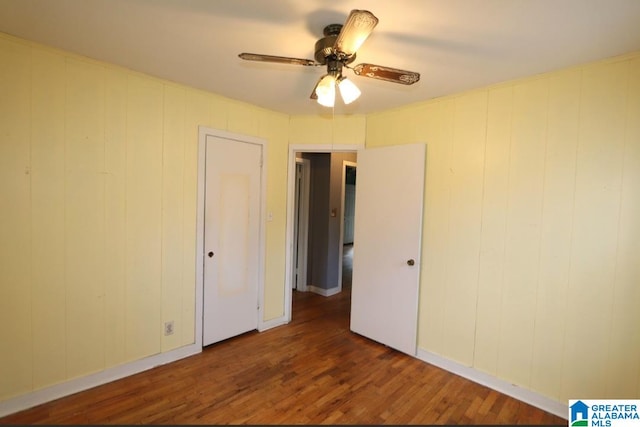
(354, 32)
(326, 91)
(348, 90)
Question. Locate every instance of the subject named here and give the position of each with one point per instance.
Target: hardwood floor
(311, 371)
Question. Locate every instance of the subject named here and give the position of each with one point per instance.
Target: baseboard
(67, 388)
(522, 394)
(324, 292)
(263, 326)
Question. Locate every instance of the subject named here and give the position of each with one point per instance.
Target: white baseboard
(66, 388)
(523, 394)
(263, 326)
(324, 292)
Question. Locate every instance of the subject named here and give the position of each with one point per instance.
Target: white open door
(231, 238)
(387, 245)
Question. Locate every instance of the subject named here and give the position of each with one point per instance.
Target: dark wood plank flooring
(311, 371)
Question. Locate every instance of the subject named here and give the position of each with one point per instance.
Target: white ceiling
(454, 44)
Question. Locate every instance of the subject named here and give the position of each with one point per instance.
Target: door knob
(410, 262)
(210, 254)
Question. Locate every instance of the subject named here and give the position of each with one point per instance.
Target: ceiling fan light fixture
(326, 91)
(336, 50)
(348, 90)
(359, 25)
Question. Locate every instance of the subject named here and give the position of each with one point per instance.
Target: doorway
(301, 225)
(330, 206)
(348, 209)
(386, 275)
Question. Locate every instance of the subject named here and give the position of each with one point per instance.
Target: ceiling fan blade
(356, 29)
(277, 59)
(385, 73)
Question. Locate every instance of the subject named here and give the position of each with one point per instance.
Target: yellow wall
(327, 130)
(531, 265)
(98, 170)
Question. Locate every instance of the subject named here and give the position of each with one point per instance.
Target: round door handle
(210, 254)
(410, 262)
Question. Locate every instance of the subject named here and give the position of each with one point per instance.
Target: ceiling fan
(337, 49)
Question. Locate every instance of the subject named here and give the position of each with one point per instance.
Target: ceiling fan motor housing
(324, 50)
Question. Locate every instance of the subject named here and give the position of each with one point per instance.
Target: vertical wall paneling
(595, 228)
(522, 244)
(242, 119)
(143, 216)
(48, 217)
(311, 130)
(399, 127)
(558, 248)
(465, 206)
(557, 225)
(349, 130)
(172, 213)
(219, 111)
(84, 217)
(15, 228)
(376, 130)
(435, 127)
(623, 379)
(115, 153)
(98, 173)
(494, 208)
(198, 110)
(273, 128)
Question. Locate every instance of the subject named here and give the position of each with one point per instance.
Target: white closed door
(231, 238)
(387, 245)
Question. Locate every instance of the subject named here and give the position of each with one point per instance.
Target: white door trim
(345, 164)
(291, 174)
(202, 138)
(302, 235)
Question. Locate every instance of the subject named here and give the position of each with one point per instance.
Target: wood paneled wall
(98, 171)
(531, 255)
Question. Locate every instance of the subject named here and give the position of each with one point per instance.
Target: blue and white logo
(579, 414)
(604, 413)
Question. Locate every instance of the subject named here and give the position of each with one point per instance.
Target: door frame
(343, 185)
(291, 173)
(301, 206)
(203, 132)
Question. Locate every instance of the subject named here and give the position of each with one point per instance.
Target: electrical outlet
(168, 328)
